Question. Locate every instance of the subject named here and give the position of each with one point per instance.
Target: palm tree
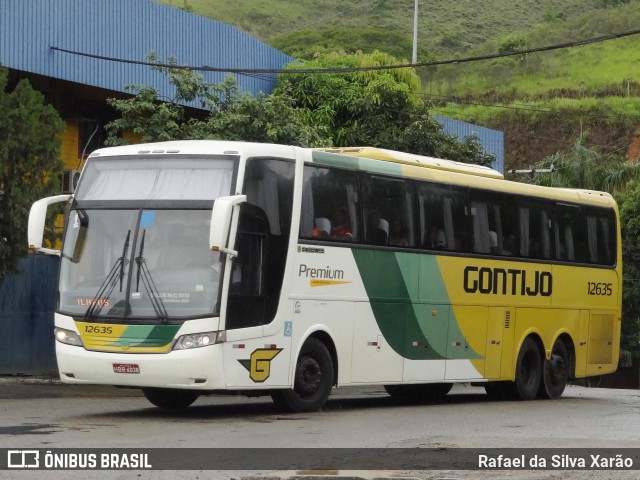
(584, 167)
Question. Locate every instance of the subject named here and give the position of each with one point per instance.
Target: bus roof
(416, 160)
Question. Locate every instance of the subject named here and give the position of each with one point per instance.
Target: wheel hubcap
(308, 378)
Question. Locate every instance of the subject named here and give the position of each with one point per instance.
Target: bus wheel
(422, 391)
(528, 371)
(313, 380)
(555, 372)
(170, 397)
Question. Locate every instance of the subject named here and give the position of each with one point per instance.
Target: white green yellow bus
(200, 267)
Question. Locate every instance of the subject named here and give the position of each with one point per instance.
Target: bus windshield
(139, 263)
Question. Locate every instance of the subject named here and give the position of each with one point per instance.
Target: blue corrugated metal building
(46, 41)
(32, 30)
(491, 140)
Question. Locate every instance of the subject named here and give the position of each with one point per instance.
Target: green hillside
(445, 27)
(592, 87)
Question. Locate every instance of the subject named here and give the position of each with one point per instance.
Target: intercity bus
(200, 267)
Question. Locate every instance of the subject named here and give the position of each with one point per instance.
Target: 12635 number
(596, 288)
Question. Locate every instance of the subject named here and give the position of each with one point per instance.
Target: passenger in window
(509, 245)
(398, 234)
(435, 239)
(536, 248)
(321, 229)
(461, 243)
(376, 231)
(340, 229)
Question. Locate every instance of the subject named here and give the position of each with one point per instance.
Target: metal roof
(125, 29)
(491, 140)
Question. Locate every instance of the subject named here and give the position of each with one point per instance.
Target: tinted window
(388, 206)
(494, 224)
(601, 235)
(443, 215)
(330, 209)
(535, 222)
(571, 235)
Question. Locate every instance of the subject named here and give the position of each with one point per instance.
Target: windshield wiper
(109, 283)
(149, 284)
(140, 258)
(125, 248)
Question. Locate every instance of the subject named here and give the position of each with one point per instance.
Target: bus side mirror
(221, 223)
(37, 216)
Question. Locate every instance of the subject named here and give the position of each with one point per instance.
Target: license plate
(126, 368)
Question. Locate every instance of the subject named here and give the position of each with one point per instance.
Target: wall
(27, 303)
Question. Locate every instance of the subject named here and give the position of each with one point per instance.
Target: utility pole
(414, 56)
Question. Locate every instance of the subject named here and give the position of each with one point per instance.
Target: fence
(27, 303)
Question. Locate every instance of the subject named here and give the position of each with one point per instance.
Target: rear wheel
(528, 372)
(170, 397)
(313, 380)
(555, 372)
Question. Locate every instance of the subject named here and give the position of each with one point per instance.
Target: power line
(206, 68)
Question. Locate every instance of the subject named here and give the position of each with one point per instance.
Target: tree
(583, 167)
(374, 108)
(379, 108)
(230, 114)
(512, 42)
(30, 164)
(629, 205)
(356, 107)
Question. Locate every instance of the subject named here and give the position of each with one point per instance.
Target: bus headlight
(197, 340)
(67, 336)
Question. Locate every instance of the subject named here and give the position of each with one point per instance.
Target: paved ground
(42, 413)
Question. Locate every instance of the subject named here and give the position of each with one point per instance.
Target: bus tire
(422, 391)
(555, 372)
(170, 397)
(528, 371)
(313, 380)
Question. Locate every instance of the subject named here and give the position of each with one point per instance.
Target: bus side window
(329, 205)
(571, 234)
(444, 220)
(388, 205)
(247, 301)
(494, 224)
(536, 230)
(600, 236)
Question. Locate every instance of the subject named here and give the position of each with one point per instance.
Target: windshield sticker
(147, 219)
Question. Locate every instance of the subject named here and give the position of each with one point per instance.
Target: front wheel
(555, 372)
(313, 380)
(170, 397)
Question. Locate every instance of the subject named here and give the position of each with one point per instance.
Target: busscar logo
(23, 459)
(302, 249)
